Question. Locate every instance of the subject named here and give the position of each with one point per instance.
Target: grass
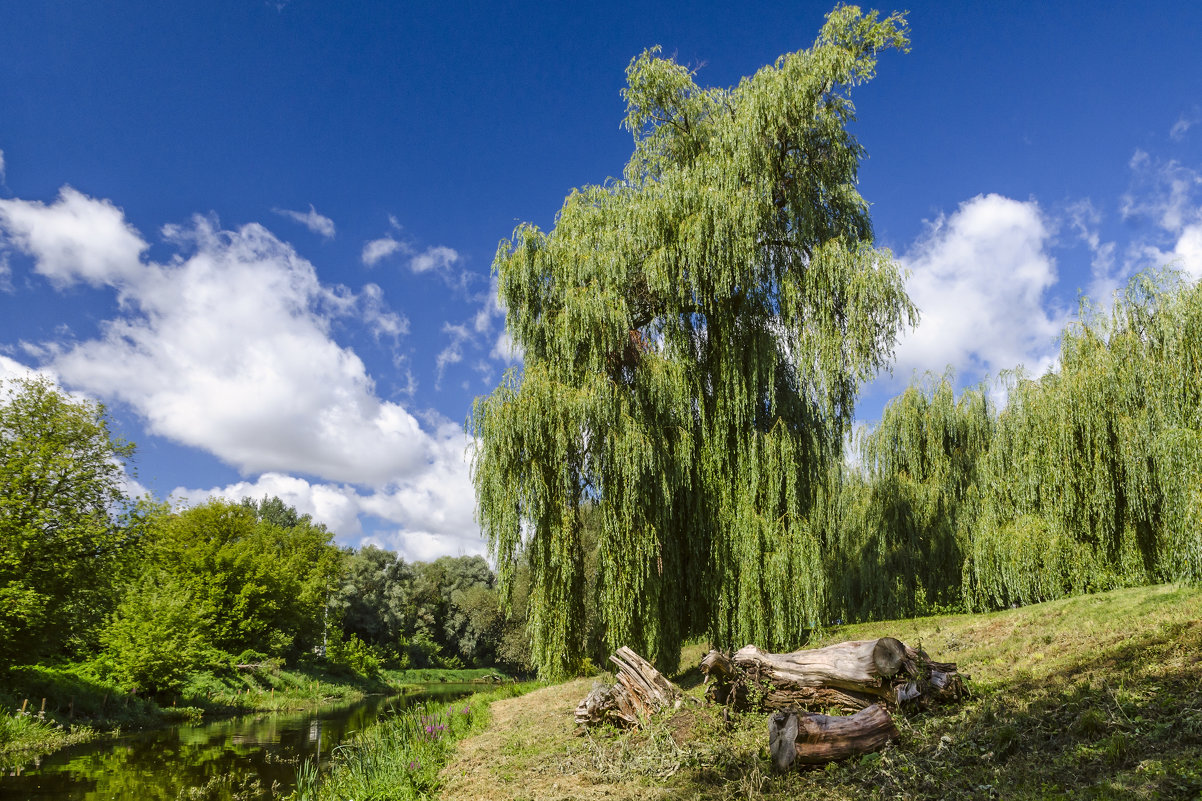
(402, 755)
(1091, 697)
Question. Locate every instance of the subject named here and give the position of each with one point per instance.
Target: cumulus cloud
(74, 239)
(437, 257)
(2, 173)
(981, 278)
(379, 249)
(422, 517)
(227, 347)
(311, 219)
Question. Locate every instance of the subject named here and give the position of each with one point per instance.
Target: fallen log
(849, 676)
(639, 690)
(812, 739)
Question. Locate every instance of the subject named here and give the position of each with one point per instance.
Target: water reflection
(247, 758)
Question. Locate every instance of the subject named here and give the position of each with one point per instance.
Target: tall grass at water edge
(401, 755)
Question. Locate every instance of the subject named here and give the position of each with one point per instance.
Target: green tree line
(148, 595)
(1088, 478)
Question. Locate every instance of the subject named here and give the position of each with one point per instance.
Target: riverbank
(401, 756)
(1096, 696)
(44, 708)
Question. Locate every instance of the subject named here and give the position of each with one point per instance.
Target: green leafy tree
(375, 597)
(61, 542)
(695, 335)
(1093, 479)
(258, 586)
(157, 635)
(899, 545)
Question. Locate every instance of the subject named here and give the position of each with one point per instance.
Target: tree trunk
(639, 691)
(811, 739)
(849, 676)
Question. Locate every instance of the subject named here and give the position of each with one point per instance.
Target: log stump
(848, 676)
(806, 738)
(640, 690)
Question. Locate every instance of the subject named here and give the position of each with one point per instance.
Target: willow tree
(899, 545)
(1093, 479)
(694, 337)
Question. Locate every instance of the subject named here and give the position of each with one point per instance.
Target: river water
(249, 758)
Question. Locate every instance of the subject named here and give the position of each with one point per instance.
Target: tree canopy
(61, 486)
(694, 337)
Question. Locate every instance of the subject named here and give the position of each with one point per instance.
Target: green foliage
(351, 653)
(255, 584)
(1093, 479)
(1089, 478)
(900, 527)
(694, 338)
(61, 474)
(157, 635)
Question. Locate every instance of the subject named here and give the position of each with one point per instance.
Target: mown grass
(1090, 697)
(402, 755)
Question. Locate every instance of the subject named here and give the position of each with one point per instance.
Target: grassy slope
(1090, 697)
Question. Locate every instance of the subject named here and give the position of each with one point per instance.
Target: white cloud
(10, 370)
(227, 349)
(75, 239)
(1183, 124)
(453, 352)
(1105, 277)
(2, 173)
(311, 219)
(1168, 194)
(505, 349)
(437, 257)
(426, 516)
(381, 248)
(981, 278)
(382, 320)
(1161, 192)
(337, 506)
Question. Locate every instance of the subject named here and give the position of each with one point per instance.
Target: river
(248, 758)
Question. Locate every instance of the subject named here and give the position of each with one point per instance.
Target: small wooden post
(24, 704)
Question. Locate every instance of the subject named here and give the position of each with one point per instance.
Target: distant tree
(258, 585)
(375, 597)
(61, 488)
(695, 335)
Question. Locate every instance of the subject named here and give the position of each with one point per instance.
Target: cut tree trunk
(640, 690)
(806, 738)
(849, 676)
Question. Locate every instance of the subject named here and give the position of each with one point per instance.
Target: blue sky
(261, 232)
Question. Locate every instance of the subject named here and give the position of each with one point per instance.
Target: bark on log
(640, 690)
(849, 676)
(811, 739)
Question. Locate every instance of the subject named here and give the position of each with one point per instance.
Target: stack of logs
(864, 679)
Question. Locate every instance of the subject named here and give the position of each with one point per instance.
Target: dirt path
(520, 756)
